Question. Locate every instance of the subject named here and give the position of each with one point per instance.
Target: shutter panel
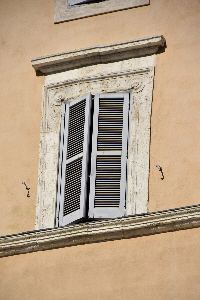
(73, 161)
(109, 155)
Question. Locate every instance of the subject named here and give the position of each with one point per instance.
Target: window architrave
(119, 75)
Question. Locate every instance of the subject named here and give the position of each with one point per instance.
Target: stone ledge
(100, 231)
(98, 54)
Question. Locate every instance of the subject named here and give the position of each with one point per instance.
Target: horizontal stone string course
(99, 231)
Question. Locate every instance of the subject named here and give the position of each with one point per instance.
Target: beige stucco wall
(28, 31)
(164, 266)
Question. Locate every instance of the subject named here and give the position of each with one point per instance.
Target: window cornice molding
(98, 54)
(65, 12)
(108, 230)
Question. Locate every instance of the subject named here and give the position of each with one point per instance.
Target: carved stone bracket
(59, 97)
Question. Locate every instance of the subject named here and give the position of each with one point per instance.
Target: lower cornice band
(100, 231)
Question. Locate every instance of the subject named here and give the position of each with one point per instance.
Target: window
(104, 69)
(67, 10)
(96, 129)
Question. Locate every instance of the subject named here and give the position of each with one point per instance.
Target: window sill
(100, 231)
(65, 13)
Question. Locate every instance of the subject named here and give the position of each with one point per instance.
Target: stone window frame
(127, 66)
(65, 12)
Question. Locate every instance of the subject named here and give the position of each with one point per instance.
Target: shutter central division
(110, 125)
(76, 129)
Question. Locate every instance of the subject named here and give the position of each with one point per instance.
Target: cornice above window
(98, 54)
(67, 10)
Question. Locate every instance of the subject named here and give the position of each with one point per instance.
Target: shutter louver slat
(73, 174)
(109, 155)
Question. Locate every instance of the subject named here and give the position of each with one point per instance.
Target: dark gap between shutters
(81, 2)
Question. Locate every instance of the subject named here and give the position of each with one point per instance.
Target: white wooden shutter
(73, 161)
(109, 156)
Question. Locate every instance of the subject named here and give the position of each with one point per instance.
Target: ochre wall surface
(164, 266)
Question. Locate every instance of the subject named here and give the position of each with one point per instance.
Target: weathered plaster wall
(27, 31)
(164, 266)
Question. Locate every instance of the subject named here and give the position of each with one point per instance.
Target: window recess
(79, 2)
(103, 193)
(133, 71)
